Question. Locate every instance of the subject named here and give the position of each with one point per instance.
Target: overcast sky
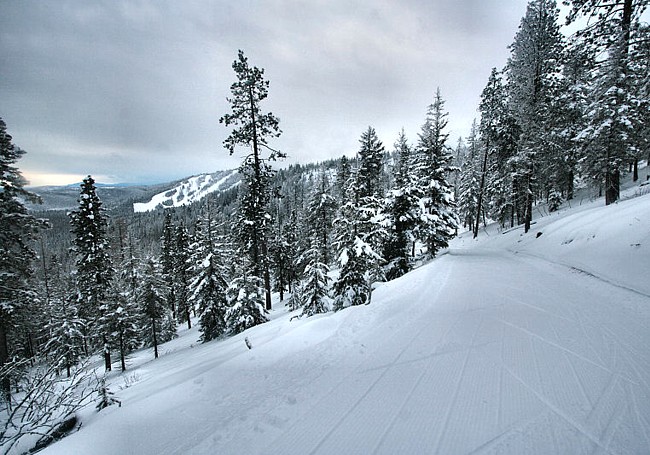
(132, 91)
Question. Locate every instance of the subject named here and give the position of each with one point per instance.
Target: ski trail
(489, 445)
(567, 350)
(577, 379)
(501, 372)
(644, 425)
(591, 342)
(376, 375)
(631, 354)
(385, 370)
(454, 399)
(559, 412)
(397, 414)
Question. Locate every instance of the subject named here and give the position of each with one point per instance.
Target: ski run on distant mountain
(189, 191)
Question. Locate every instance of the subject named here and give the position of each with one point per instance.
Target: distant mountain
(65, 197)
(190, 190)
(171, 194)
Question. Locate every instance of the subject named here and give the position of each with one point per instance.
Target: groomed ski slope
(511, 344)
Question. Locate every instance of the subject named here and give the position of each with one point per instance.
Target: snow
(189, 191)
(507, 344)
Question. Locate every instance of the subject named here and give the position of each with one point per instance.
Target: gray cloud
(133, 90)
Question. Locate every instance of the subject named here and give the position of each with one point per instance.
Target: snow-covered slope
(503, 345)
(191, 190)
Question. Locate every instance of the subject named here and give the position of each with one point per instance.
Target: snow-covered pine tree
(343, 174)
(181, 280)
(65, 329)
(432, 165)
(17, 229)
(499, 134)
(282, 250)
(360, 227)
(209, 296)
(618, 110)
(470, 180)
(533, 68)
(152, 297)
(357, 262)
(368, 200)
(640, 74)
(66, 333)
(94, 268)
(314, 292)
(320, 214)
(401, 208)
(287, 254)
(459, 157)
(120, 319)
(566, 119)
(210, 278)
(253, 128)
(167, 254)
(245, 298)
(498, 142)
(370, 158)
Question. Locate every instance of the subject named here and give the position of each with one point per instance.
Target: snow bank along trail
(481, 351)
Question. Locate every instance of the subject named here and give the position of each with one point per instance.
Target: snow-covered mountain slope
(503, 345)
(190, 190)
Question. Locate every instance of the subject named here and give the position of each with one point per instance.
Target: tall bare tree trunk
(155, 338)
(5, 383)
(480, 191)
(262, 240)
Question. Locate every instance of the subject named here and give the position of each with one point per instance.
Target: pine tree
(284, 254)
(640, 75)
(532, 72)
(401, 207)
(470, 186)
(353, 286)
(370, 158)
(253, 129)
(120, 319)
(370, 219)
(320, 214)
(94, 267)
(167, 254)
(65, 329)
(618, 110)
(17, 229)
(314, 293)
(279, 250)
(499, 137)
(152, 296)
(245, 297)
(432, 167)
(343, 174)
(181, 282)
(359, 227)
(209, 295)
(209, 274)
(567, 119)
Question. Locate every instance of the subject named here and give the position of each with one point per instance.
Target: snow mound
(189, 191)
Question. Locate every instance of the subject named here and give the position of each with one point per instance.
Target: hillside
(66, 197)
(509, 344)
(190, 190)
(144, 197)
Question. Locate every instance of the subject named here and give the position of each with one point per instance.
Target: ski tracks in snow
(536, 364)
